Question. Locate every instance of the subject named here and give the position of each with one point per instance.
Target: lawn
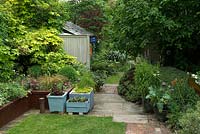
(168, 74)
(114, 79)
(65, 124)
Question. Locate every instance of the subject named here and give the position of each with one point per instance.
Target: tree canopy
(139, 24)
(88, 14)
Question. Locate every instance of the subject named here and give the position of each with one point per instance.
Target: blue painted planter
(57, 103)
(77, 107)
(89, 96)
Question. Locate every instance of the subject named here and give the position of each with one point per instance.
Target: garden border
(15, 108)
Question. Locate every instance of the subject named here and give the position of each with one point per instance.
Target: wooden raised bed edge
(13, 110)
(34, 98)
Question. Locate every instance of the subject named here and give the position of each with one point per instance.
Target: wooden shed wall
(78, 46)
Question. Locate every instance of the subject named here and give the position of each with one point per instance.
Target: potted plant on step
(78, 105)
(57, 97)
(159, 98)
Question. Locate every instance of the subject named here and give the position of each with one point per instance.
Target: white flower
(194, 76)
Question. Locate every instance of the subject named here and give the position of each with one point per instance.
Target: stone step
(131, 118)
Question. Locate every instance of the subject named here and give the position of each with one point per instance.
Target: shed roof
(74, 29)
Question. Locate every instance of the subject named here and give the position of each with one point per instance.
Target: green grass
(168, 74)
(64, 124)
(114, 79)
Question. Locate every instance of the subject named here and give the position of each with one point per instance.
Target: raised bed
(13, 109)
(34, 98)
(77, 107)
(89, 96)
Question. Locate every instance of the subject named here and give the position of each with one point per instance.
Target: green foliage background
(29, 36)
(169, 26)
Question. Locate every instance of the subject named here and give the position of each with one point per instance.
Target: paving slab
(131, 118)
(111, 104)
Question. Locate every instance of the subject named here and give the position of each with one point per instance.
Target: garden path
(109, 103)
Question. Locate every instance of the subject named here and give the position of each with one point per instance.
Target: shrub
(159, 97)
(146, 75)
(10, 91)
(42, 47)
(116, 56)
(86, 80)
(190, 121)
(55, 61)
(35, 71)
(105, 66)
(126, 86)
(99, 78)
(46, 82)
(59, 88)
(7, 56)
(183, 97)
(168, 74)
(2, 100)
(69, 72)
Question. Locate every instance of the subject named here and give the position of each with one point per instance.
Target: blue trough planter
(89, 96)
(77, 107)
(57, 103)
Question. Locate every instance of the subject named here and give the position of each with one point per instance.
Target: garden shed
(77, 42)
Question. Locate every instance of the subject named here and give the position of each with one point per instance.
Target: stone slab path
(109, 103)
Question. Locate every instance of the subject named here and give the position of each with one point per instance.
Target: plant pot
(148, 107)
(77, 107)
(161, 116)
(89, 96)
(57, 103)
